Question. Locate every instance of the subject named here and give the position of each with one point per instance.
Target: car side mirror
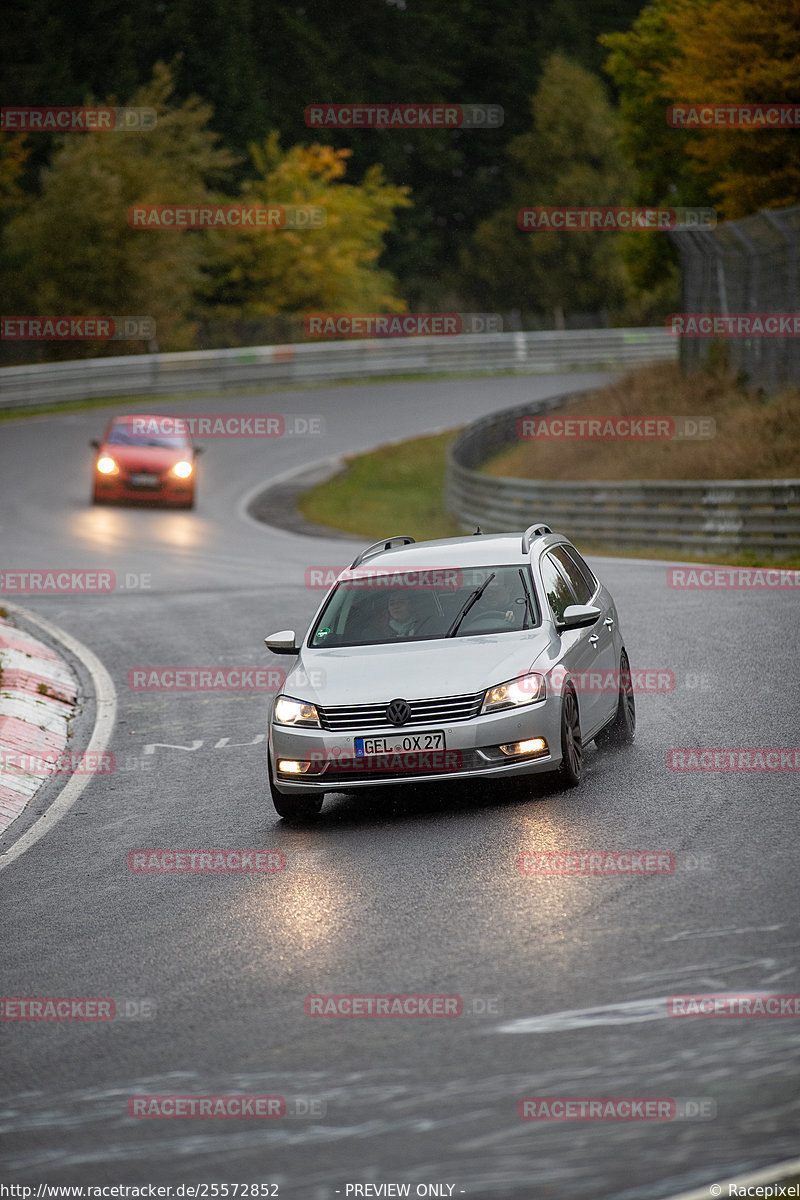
(94, 444)
(282, 643)
(578, 616)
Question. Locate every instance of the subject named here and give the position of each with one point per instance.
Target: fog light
(290, 766)
(531, 746)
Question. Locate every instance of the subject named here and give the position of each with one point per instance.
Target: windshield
(374, 607)
(121, 435)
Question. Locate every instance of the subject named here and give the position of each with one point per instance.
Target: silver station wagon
(470, 657)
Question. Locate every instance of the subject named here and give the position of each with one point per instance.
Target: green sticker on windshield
(321, 634)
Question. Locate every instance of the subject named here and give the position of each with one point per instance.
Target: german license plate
(400, 743)
(143, 479)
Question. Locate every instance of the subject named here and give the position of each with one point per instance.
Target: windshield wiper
(528, 605)
(467, 605)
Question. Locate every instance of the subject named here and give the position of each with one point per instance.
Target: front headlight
(525, 689)
(289, 711)
(107, 466)
(182, 469)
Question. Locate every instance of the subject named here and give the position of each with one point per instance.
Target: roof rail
(377, 547)
(532, 532)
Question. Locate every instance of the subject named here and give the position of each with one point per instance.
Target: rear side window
(558, 591)
(580, 585)
(583, 567)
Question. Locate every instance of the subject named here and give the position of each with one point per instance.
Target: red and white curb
(38, 692)
(37, 697)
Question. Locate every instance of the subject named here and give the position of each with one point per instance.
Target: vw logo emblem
(398, 712)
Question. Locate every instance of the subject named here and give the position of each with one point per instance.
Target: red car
(145, 457)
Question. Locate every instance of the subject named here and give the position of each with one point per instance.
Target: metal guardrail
(254, 366)
(728, 515)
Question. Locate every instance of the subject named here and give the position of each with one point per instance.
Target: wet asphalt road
(413, 891)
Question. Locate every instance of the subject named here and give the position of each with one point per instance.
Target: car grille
(440, 710)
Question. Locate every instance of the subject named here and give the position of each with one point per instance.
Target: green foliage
(269, 271)
(259, 66)
(75, 253)
(569, 157)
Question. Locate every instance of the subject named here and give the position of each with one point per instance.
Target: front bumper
(170, 490)
(471, 752)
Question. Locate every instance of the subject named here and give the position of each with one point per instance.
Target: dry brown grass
(757, 437)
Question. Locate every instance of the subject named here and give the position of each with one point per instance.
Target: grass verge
(400, 489)
(756, 436)
(394, 489)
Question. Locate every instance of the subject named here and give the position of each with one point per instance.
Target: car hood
(146, 458)
(413, 670)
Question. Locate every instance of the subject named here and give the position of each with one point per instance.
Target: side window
(558, 591)
(583, 567)
(580, 585)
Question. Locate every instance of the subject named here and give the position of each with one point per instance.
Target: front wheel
(570, 772)
(296, 808)
(622, 730)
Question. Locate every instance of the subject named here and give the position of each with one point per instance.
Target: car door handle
(594, 639)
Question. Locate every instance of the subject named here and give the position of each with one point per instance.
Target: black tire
(293, 808)
(570, 772)
(622, 730)
(297, 808)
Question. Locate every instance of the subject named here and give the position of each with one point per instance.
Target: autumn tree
(740, 52)
(74, 251)
(699, 52)
(265, 271)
